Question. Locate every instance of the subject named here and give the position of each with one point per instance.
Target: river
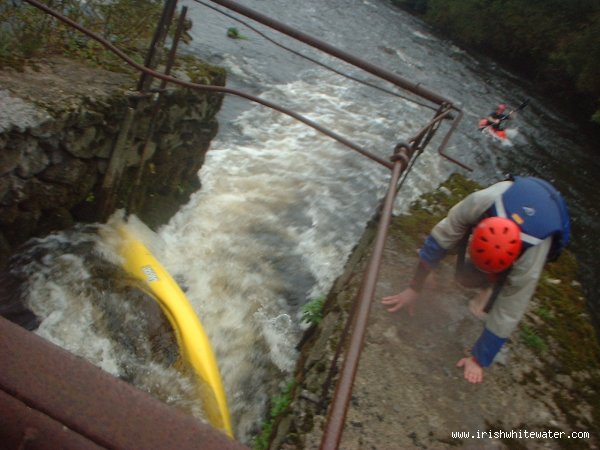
(282, 206)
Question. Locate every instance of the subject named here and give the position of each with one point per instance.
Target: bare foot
(478, 304)
(476, 310)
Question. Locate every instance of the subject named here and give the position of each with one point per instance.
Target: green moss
(279, 405)
(544, 313)
(234, 33)
(200, 72)
(28, 32)
(576, 349)
(430, 208)
(566, 316)
(532, 339)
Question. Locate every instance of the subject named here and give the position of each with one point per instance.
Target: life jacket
(539, 210)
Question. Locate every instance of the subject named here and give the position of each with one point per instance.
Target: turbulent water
(281, 206)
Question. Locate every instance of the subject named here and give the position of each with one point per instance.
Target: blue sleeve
(431, 252)
(486, 347)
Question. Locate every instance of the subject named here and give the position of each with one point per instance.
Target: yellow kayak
(192, 339)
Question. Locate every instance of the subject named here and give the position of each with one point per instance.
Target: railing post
(334, 426)
(158, 39)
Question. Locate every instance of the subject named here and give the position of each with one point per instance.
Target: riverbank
(408, 392)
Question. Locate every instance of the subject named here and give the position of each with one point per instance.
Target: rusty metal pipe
(159, 35)
(435, 122)
(447, 138)
(157, 103)
(339, 407)
(333, 51)
(174, 45)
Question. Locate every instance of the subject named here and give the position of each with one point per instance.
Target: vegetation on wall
(279, 404)
(555, 42)
(27, 32)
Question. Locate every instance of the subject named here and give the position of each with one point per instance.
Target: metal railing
(334, 425)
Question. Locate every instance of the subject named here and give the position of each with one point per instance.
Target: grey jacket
(513, 299)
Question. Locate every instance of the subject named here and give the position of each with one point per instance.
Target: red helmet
(495, 244)
(501, 107)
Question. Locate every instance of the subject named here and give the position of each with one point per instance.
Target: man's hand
(473, 371)
(407, 297)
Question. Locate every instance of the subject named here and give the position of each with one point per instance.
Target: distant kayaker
(504, 235)
(497, 117)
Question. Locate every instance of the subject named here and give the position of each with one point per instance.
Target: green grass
(312, 312)
(531, 339)
(279, 404)
(28, 32)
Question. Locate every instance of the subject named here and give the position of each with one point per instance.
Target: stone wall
(60, 124)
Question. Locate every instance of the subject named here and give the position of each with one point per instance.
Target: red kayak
(484, 125)
(486, 128)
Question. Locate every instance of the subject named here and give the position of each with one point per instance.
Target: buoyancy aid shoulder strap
(538, 209)
(500, 211)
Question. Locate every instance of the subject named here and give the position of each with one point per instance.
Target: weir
(36, 377)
